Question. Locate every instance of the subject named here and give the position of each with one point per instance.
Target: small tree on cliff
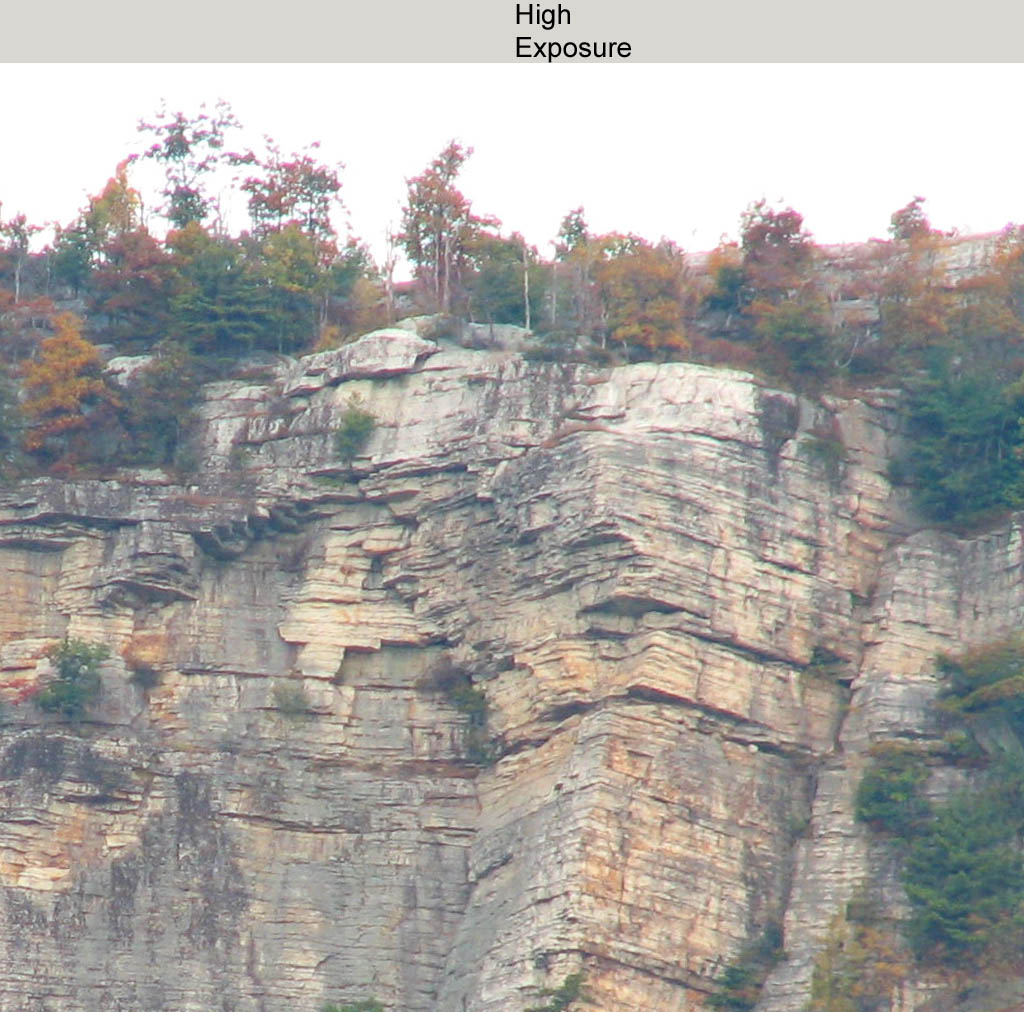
(65, 385)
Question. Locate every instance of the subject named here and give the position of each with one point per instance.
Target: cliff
(691, 603)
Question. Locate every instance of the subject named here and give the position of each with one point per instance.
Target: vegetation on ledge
(174, 284)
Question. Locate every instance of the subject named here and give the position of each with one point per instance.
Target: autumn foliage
(64, 386)
(162, 275)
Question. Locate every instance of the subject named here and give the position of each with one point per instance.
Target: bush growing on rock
(888, 799)
(353, 433)
(290, 699)
(563, 996)
(740, 984)
(78, 678)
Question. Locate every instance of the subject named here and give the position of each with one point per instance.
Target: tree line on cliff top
(195, 298)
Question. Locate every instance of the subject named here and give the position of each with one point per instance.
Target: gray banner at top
(584, 32)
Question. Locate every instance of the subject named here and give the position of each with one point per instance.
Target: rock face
(690, 602)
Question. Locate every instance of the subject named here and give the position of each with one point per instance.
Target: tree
(291, 201)
(189, 148)
(778, 294)
(641, 288)
(71, 256)
(17, 233)
(295, 190)
(500, 289)
(910, 222)
(777, 252)
(965, 442)
(964, 880)
(133, 285)
(159, 405)
(65, 385)
(914, 303)
(82, 246)
(575, 302)
(222, 303)
(986, 319)
(439, 227)
(10, 421)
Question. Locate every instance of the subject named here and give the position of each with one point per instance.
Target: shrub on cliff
(740, 983)
(561, 997)
(964, 880)
(159, 405)
(965, 439)
(353, 433)
(78, 678)
(888, 798)
(987, 684)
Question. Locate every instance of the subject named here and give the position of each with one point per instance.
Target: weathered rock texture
(690, 616)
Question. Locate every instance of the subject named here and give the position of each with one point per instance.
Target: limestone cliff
(691, 602)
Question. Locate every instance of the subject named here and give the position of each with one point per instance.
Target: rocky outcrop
(691, 603)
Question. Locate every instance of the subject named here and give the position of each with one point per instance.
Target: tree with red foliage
(776, 250)
(133, 285)
(80, 247)
(294, 190)
(190, 148)
(782, 300)
(438, 227)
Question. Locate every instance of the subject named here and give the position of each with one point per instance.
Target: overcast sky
(656, 149)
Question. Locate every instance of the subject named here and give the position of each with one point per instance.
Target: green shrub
(740, 984)
(291, 699)
(145, 676)
(456, 683)
(158, 408)
(353, 433)
(562, 996)
(964, 879)
(366, 1005)
(987, 681)
(964, 434)
(887, 797)
(78, 678)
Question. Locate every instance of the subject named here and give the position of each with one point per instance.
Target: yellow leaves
(641, 288)
(861, 966)
(63, 383)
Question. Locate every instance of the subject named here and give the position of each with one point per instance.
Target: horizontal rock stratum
(640, 569)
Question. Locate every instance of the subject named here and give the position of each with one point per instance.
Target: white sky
(657, 149)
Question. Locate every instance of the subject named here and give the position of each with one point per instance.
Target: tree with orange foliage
(987, 321)
(641, 287)
(914, 304)
(65, 387)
